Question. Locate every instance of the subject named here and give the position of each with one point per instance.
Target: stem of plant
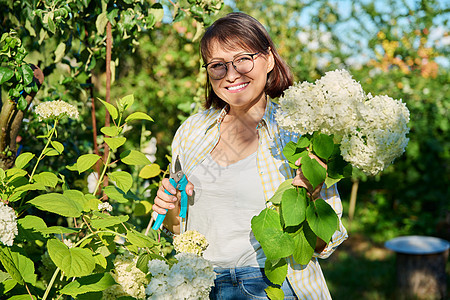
(50, 284)
(100, 179)
(43, 150)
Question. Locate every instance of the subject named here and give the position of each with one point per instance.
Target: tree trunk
(10, 122)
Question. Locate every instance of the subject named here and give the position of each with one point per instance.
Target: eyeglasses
(242, 64)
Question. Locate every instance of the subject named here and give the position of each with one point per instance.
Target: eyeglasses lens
(242, 64)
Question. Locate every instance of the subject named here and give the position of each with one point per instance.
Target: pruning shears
(179, 181)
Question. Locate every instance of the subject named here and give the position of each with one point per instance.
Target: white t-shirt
(225, 201)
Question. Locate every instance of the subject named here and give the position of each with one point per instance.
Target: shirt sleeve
(331, 196)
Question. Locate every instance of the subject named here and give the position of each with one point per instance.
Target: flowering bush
(191, 277)
(84, 250)
(342, 126)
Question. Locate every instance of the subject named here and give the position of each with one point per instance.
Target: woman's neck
(251, 113)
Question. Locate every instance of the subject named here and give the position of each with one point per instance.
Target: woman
(232, 155)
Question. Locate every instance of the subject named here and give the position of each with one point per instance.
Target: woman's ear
(270, 61)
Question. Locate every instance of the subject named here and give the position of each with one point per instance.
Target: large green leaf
(27, 74)
(122, 179)
(274, 293)
(133, 157)
(322, 219)
(276, 273)
(112, 110)
(127, 101)
(90, 283)
(291, 154)
(305, 243)
(285, 185)
(108, 221)
(86, 161)
(110, 131)
(76, 196)
(138, 116)
(6, 283)
(322, 145)
(115, 142)
(58, 204)
(58, 146)
(23, 159)
(268, 232)
(140, 240)
(313, 171)
(150, 171)
(293, 206)
(5, 74)
(17, 264)
(46, 179)
(30, 228)
(74, 262)
(116, 194)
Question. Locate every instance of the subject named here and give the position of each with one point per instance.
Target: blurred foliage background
(399, 48)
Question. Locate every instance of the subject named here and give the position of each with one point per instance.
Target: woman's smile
(236, 88)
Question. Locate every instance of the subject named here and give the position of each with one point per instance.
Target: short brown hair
(239, 30)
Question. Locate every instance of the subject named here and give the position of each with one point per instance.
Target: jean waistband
(238, 273)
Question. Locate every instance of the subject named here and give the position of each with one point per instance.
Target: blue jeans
(244, 283)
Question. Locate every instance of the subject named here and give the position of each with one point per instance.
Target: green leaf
(268, 232)
(5, 74)
(91, 283)
(322, 145)
(101, 22)
(293, 206)
(22, 103)
(133, 157)
(276, 273)
(23, 159)
(313, 171)
(291, 154)
(76, 196)
(20, 267)
(110, 131)
(322, 219)
(86, 161)
(2, 174)
(28, 74)
(180, 15)
(58, 146)
(303, 142)
(115, 143)
(140, 240)
(108, 221)
(51, 152)
(138, 116)
(30, 228)
(51, 25)
(285, 185)
(116, 194)
(112, 110)
(59, 230)
(305, 243)
(144, 258)
(157, 11)
(6, 282)
(274, 293)
(122, 179)
(330, 181)
(142, 208)
(150, 171)
(46, 179)
(126, 101)
(74, 262)
(58, 204)
(30, 187)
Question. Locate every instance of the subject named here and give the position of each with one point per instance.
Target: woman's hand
(171, 203)
(300, 179)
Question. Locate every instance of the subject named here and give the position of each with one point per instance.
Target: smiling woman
(231, 155)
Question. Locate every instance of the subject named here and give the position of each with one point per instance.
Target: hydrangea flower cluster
(190, 278)
(8, 224)
(190, 241)
(105, 206)
(371, 130)
(130, 280)
(55, 110)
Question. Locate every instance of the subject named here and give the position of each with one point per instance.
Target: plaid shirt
(199, 134)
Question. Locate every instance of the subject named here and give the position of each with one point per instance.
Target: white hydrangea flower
(149, 149)
(373, 129)
(130, 280)
(105, 206)
(8, 224)
(190, 241)
(92, 181)
(190, 278)
(55, 110)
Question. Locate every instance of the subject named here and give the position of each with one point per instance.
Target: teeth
(233, 88)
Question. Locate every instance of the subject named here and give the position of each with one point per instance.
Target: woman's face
(241, 90)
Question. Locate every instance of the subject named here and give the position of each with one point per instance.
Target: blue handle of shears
(183, 202)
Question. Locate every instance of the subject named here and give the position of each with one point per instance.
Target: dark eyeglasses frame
(252, 55)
